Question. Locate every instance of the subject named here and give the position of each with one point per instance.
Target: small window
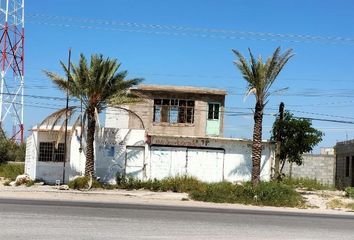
(347, 166)
(157, 113)
(48, 152)
(213, 111)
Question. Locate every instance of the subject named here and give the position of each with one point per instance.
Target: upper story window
(214, 111)
(173, 111)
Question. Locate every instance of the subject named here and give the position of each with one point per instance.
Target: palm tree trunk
(257, 143)
(91, 127)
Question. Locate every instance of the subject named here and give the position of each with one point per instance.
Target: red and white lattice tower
(12, 66)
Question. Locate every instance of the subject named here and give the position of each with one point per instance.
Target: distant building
(327, 151)
(345, 163)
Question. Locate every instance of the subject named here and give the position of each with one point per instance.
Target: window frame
(177, 111)
(213, 112)
(48, 153)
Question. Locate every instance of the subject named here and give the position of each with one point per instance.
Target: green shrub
(30, 183)
(181, 184)
(174, 184)
(307, 183)
(83, 183)
(265, 193)
(350, 206)
(349, 192)
(11, 171)
(276, 194)
(10, 150)
(7, 183)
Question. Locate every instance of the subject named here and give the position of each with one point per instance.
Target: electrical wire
(98, 24)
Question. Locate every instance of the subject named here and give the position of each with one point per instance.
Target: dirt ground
(324, 201)
(327, 199)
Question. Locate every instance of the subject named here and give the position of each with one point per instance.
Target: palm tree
(260, 76)
(97, 85)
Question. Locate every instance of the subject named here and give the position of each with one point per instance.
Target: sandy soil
(316, 201)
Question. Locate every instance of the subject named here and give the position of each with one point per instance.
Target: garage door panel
(167, 162)
(206, 165)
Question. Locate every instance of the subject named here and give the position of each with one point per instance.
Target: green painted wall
(213, 127)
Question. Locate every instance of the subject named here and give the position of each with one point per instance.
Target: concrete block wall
(315, 166)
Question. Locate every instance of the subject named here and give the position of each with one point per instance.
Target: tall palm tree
(96, 84)
(260, 76)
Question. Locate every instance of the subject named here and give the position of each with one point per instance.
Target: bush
(277, 194)
(83, 183)
(173, 184)
(307, 183)
(7, 183)
(349, 192)
(30, 183)
(10, 150)
(265, 193)
(11, 171)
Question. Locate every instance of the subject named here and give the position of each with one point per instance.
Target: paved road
(27, 219)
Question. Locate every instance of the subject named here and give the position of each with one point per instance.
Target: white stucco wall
(117, 118)
(31, 155)
(120, 151)
(77, 158)
(130, 152)
(50, 172)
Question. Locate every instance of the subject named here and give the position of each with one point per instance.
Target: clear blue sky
(190, 42)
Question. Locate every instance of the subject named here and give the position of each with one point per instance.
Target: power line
(326, 120)
(96, 24)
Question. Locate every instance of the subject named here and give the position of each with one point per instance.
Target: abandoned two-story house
(172, 131)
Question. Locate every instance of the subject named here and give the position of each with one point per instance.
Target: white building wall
(31, 155)
(117, 118)
(77, 152)
(120, 151)
(50, 172)
(126, 152)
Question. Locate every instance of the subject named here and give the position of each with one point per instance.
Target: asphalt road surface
(27, 219)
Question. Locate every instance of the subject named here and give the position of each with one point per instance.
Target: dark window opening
(48, 152)
(213, 111)
(347, 166)
(173, 111)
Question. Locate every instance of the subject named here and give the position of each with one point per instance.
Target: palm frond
(75, 125)
(55, 117)
(259, 75)
(61, 132)
(242, 65)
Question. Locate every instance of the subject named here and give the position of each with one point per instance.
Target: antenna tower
(12, 33)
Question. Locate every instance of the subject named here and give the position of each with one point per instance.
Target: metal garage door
(206, 165)
(167, 162)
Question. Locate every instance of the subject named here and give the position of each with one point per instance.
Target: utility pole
(278, 144)
(66, 118)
